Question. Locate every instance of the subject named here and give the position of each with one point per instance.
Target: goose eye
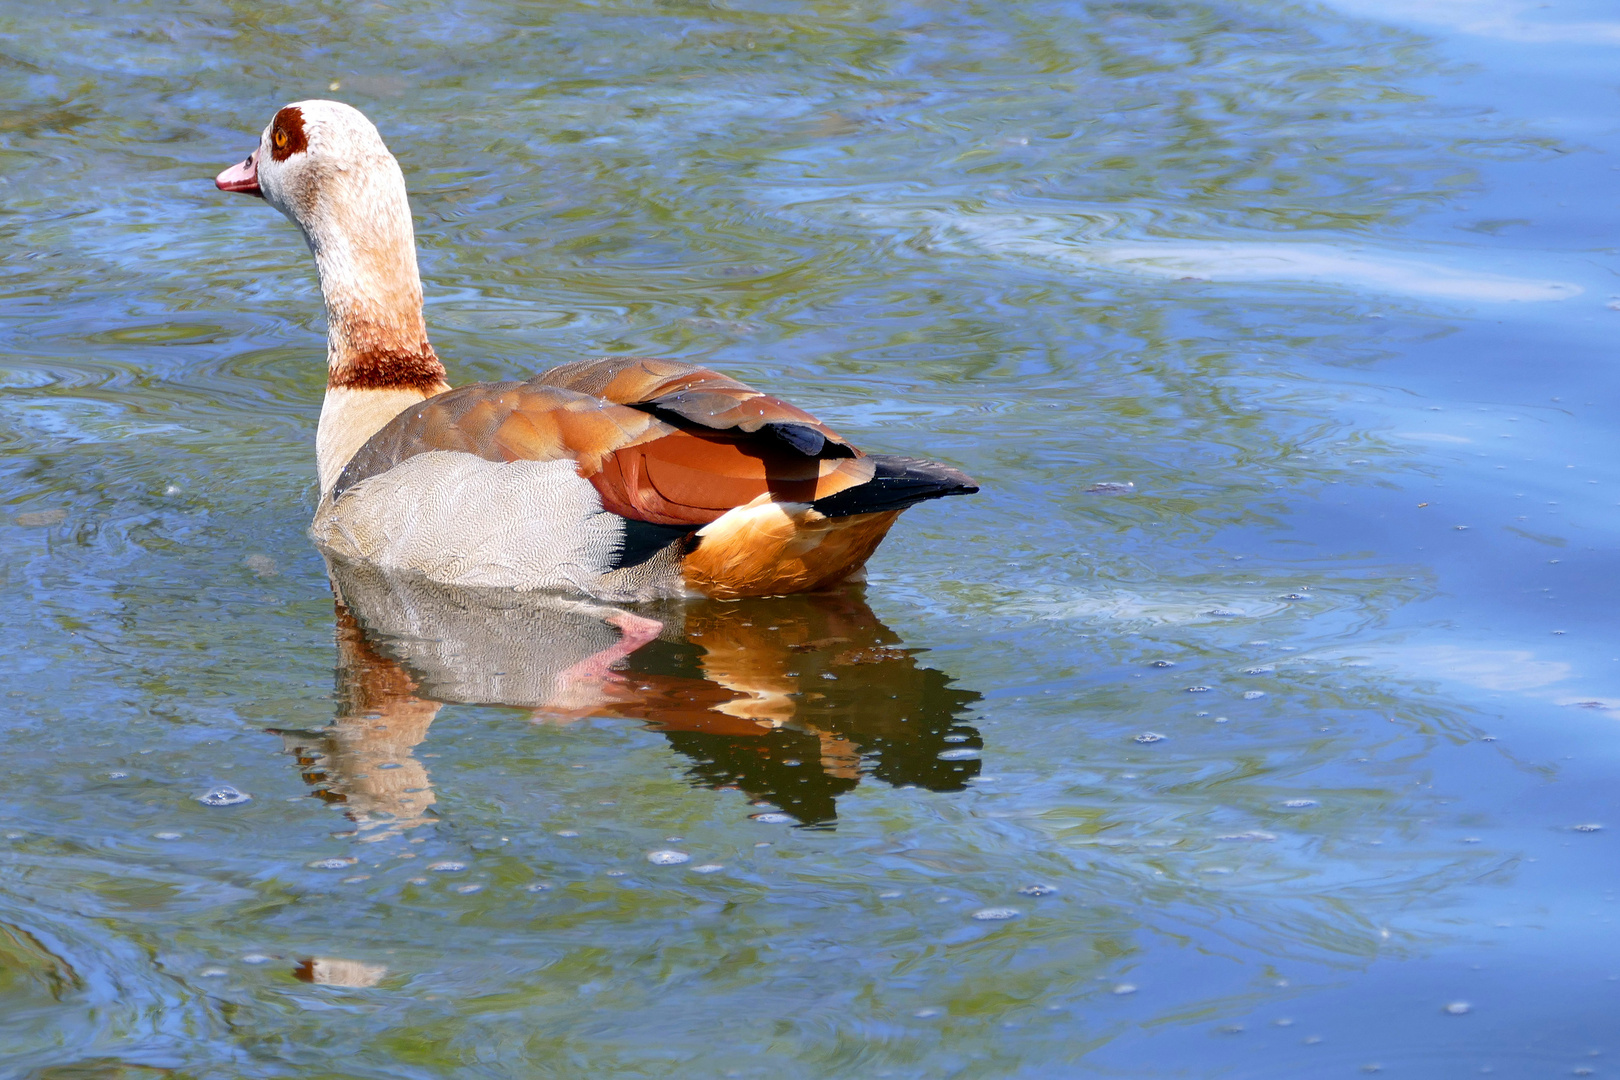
(280, 139)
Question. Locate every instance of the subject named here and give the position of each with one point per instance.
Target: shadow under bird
(624, 478)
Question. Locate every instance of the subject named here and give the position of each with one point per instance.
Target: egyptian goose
(622, 478)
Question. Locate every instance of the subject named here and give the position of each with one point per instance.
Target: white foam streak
(1073, 242)
(1164, 609)
(1508, 670)
(1377, 272)
(1499, 19)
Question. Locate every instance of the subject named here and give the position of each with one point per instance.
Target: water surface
(1268, 687)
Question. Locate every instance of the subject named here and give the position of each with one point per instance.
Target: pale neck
(360, 232)
(378, 360)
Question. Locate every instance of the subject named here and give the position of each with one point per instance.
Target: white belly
(460, 520)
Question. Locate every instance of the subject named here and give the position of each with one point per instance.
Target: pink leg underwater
(582, 686)
(634, 632)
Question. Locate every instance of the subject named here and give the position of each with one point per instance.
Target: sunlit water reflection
(1255, 718)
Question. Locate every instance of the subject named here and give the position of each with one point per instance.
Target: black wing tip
(900, 465)
(806, 440)
(898, 482)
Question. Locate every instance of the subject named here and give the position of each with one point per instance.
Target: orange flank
(769, 548)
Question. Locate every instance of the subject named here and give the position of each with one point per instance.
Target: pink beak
(243, 177)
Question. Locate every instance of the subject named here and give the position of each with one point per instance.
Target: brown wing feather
(643, 467)
(686, 392)
(630, 380)
(684, 478)
(505, 421)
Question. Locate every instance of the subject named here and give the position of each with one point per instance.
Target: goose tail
(897, 482)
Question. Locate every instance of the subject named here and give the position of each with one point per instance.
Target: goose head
(326, 167)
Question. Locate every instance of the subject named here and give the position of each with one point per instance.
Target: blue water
(1279, 337)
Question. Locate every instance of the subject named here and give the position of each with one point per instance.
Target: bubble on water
(419, 881)
(925, 1014)
(996, 914)
(1112, 487)
(956, 738)
(448, 866)
(1197, 689)
(1283, 1021)
(616, 873)
(212, 973)
(1264, 669)
(1164, 663)
(340, 862)
(771, 818)
(566, 832)
(1148, 737)
(538, 886)
(256, 958)
(117, 775)
(1252, 835)
(964, 754)
(791, 762)
(223, 795)
(1253, 695)
(1587, 828)
(469, 888)
(708, 868)
(1298, 804)
(262, 565)
(668, 857)
(155, 836)
(1458, 1008)
(1230, 1029)
(356, 878)
(1037, 890)
(1124, 988)
(1311, 1040)
(1472, 840)
(891, 895)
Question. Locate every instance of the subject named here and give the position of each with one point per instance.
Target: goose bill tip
(242, 177)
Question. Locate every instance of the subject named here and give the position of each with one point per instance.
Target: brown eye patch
(287, 134)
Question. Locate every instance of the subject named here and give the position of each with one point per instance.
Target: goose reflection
(791, 700)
